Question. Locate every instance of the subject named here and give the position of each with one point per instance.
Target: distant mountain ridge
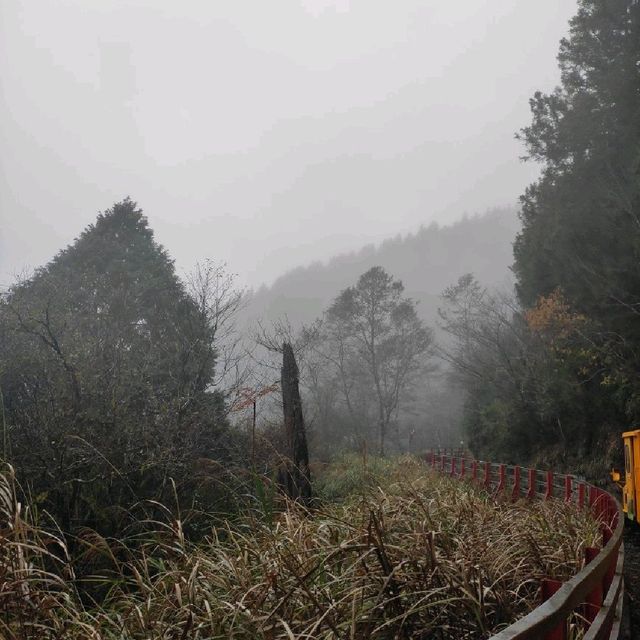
(426, 261)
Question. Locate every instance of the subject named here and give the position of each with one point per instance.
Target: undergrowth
(403, 553)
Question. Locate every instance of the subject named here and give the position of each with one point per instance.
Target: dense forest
(144, 406)
(552, 372)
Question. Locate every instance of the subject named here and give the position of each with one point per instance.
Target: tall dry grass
(404, 554)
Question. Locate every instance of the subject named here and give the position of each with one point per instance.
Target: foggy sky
(265, 133)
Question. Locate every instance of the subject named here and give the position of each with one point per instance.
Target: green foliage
(581, 229)
(105, 367)
(266, 497)
(551, 375)
(530, 383)
(352, 474)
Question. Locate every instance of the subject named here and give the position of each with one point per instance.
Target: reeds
(411, 555)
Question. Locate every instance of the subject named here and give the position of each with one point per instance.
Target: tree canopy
(581, 219)
(557, 369)
(377, 344)
(105, 368)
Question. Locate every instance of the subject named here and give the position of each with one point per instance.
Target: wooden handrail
(611, 606)
(571, 594)
(603, 574)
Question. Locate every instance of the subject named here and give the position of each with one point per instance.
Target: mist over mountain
(426, 261)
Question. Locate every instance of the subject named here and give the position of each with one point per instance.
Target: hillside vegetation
(553, 374)
(398, 553)
(151, 444)
(426, 261)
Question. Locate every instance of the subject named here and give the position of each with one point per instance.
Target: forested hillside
(407, 399)
(426, 262)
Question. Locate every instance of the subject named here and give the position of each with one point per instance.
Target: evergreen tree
(581, 220)
(105, 370)
(555, 376)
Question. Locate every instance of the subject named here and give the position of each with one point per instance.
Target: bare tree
(489, 341)
(381, 343)
(281, 332)
(220, 302)
(518, 382)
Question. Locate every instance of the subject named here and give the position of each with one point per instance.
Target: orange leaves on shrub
(553, 318)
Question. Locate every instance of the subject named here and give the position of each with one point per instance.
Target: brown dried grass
(410, 554)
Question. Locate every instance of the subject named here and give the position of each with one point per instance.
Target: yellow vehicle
(631, 483)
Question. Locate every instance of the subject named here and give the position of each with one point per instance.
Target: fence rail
(596, 591)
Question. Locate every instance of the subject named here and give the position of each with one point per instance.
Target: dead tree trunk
(298, 477)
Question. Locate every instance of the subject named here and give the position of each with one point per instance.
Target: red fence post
(531, 492)
(515, 494)
(608, 577)
(501, 479)
(462, 469)
(568, 488)
(474, 471)
(549, 491)
(487, 475)
(581, 495)
(547, 589)
(453, 466)
(595, 598)
(602, 504)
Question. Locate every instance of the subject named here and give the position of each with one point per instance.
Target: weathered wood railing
(596, 591)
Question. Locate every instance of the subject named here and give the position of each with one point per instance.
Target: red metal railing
(596, 591)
